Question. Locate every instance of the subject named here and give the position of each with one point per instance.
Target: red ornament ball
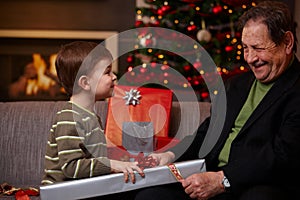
(196, 82)
(138, 23)
(153, 64)
(186, 68)
(197, 64)
(160, 12)
(191, 27)
(129, 59)
(165, 8)
(204, 95)
(228, 48)
(217, 9)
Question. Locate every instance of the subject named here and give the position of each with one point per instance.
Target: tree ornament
(186, 68)
(197, 64)
(144, 58)
(138, 23)
(204, 35)
(160, 12)
(217, 9)
(155, 22)
(148, 40)
(129, 59)
(196, 82)
(191, 27)
(204, 95)
(163, 10)
(228, 48)
(146, 19)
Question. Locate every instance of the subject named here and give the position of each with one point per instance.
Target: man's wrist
(226, 184)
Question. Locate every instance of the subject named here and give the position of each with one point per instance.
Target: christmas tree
(212, 23)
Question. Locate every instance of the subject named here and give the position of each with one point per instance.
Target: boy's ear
(83, 82)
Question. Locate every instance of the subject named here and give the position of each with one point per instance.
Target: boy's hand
(146, 162)
(163, 158)
(127, 168)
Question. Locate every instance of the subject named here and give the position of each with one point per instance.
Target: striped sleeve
(65, 157)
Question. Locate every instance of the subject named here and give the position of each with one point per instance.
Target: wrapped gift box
(136, 106)
(114, 183)
(161, 144)
(164, 143)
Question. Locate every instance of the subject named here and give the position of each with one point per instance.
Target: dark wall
(92, 15)
(113, 15)
(291, 4)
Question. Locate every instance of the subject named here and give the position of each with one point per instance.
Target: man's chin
(259, 77)
(259, 72)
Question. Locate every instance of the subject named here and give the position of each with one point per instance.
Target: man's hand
(204, 185)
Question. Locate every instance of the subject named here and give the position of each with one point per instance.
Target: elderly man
(258, 153)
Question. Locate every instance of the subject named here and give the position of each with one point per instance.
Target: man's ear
(289, 42)
(83, 82)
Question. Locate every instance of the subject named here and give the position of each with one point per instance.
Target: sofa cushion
(26, 125)
(24, 130)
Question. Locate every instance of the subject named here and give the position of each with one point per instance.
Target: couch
(25, 125)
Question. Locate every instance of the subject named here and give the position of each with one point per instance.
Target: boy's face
(102, 79)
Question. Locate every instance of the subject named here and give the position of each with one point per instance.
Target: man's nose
(251, 56)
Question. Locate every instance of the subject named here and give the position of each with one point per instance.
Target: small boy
(76, 146)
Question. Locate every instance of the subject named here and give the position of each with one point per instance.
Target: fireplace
(31, 53)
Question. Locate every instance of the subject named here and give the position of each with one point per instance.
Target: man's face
(266, 59)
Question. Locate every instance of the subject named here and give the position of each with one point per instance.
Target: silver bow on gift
(132, 97)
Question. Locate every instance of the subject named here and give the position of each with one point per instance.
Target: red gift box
(161, 145)
(164, 143)
(137, 104)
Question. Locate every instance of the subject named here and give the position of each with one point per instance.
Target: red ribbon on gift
(176, 173)
(145, 162)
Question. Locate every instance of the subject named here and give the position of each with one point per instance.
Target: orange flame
(43, 82)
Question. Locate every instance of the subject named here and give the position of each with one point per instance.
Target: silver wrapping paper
(114, 183)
